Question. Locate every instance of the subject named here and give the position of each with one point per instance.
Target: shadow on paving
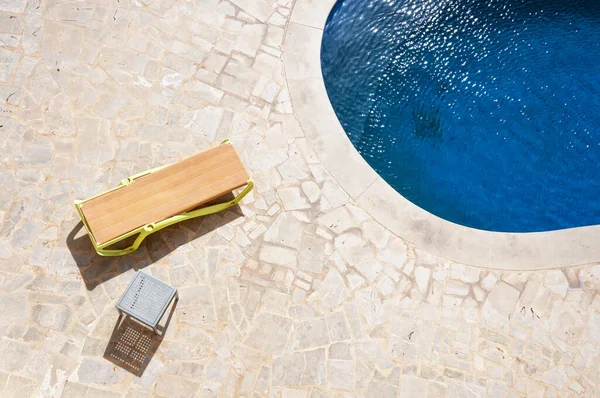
(132, 345)
(96, 269)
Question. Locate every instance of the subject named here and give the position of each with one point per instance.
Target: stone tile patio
(298, 293)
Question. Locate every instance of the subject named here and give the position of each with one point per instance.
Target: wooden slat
(167, 192)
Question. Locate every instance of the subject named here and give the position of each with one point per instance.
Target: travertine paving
(298, 293)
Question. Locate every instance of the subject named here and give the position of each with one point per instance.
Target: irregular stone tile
(556, 377)
(14, 306)
(569, 327)
(292, 199)
(465, 273)
(332, 291)
(498, 305)
(10, 95)
(191, 370)
(8, 40)
(286, 230)
(376, 234)
(39, 365)
(99, 371)
(300, 369)
(287, 370)
(353, 248)
(338, 220)
(199, 306)
(204, 92)
(413, 387)
(370, 269)
(249, 39)
(25, 234)
(176, 387)
(315, 371)
(13, 5)
(268, 333)
(232, 85)
(14, 356)
(309, 334)
(589, 277)
(62, 263)
(381, 386)
(311, 190)
(260, 10)
(355, 281)
(340, 351)
(275, 303)
(293, 170)
(69, 13)
(293, 393)
(458, 389)
(75, 390)
(422, 275)
(61, 45)
(489, 281)
(556, 281)
(41, 85)
(340, 374)
(11, 24)
(183, 352)
(8, 60)
(311, 254)
(370, 306)
(216, 369)
(334, 194)
(203, 123)
(395, 253)
(437, 390)
(457, 288)
(496, 389)
(183, 276)
(404, 339)
(55, 317)
(18, 386)
(338, 329)
(94, 143)
(278, 255)
(385, 285)
(532, 304)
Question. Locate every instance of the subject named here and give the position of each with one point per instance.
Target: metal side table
(146, 299)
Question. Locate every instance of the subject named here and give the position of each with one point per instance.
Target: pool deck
(323, 283)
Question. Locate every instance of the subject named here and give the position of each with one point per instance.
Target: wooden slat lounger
(152, 200)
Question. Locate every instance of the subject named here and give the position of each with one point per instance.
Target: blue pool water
(483, 112)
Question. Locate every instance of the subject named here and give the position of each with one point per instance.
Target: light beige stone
(171, 386)
(249, 39)
(341, 374)
(498, 305)
(292, 199)
(557, 282)
(278, 255)
(269, 333)
(333, 290)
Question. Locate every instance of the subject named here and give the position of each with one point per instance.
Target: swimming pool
(482, 113)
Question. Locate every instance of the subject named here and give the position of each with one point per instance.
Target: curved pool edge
(496, 250)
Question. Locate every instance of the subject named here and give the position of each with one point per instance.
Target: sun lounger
(152, 200)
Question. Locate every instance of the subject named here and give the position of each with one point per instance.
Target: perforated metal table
(146, 299)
